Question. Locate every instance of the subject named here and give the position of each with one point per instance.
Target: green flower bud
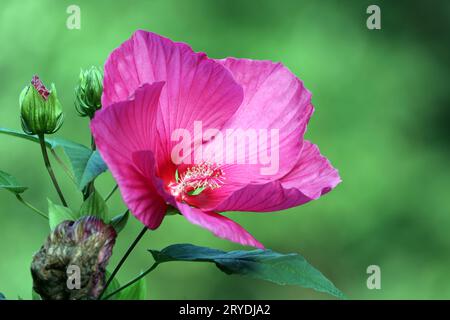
(85, 244)
(40, 109)
(88, 93)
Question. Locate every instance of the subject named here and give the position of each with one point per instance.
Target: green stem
(142, 275)
(111, 193)
(93, 145)
(50, 169)
(29, 205)
(124, 258)
(89, 189)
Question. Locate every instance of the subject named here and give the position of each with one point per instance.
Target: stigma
(197, 178)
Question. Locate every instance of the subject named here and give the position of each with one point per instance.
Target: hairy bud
(88, 93)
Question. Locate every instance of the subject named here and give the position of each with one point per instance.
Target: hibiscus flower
(154, 87)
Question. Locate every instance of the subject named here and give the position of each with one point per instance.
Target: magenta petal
(220, 226)
(311, 177)
(196, 88)
(144, 58)
(145, 162)
(313, 174)
(274, 99)
(120, 131)
(131, 126)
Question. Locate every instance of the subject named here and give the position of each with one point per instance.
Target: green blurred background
(382, 117)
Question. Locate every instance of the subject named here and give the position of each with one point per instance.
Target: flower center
(196, 179)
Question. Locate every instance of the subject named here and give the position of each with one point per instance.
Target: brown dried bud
(86, 244)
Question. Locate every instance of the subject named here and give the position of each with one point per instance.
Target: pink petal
(274, 99)
(311, 177)
(141, 59)
(144, 161)
(220, 226)
(197, 88)
(121, 130)
(313, 174)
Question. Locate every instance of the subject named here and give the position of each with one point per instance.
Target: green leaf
(94, 167)
(22, 135)
(94, 206)
(35, 295)
(137, 291)
(8, 182)
(119, 222)
(49, 142)
(284, 269)
(86, 164)
(2, 296)
(58, 214)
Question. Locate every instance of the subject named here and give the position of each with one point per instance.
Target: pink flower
(153, 87)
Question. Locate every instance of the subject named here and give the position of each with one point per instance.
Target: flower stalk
(49, 168)
(122, 261)
(90, 188)
(111, 193)
(139, 277)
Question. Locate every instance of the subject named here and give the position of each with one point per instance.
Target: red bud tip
(40, 87)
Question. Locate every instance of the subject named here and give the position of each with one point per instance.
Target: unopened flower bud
(88, 93)
(85, 244)
(40, 109)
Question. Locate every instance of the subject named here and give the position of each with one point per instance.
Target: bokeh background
(382, 117)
